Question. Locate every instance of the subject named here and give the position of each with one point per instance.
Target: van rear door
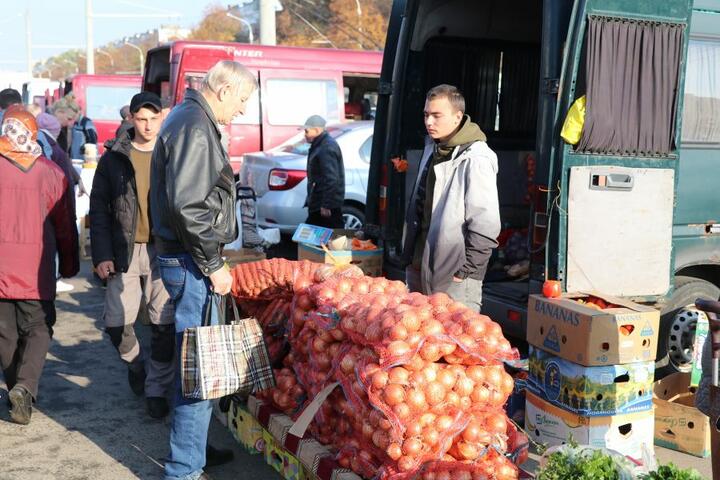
(612, 195)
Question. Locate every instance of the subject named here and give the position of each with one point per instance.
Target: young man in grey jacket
(453, 218)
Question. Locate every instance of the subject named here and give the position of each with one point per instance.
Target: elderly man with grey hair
(192, 204)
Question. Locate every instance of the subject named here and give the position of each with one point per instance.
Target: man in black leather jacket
(193, 215)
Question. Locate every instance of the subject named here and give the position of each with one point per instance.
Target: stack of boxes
(261, 429)
(591, 372)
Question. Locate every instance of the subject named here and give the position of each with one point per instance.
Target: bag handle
(221, 302)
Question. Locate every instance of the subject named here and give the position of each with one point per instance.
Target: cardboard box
(246, 430)
(515, 405)
(552, 425)
(590, 337)
(244, 255)
(369, 261)
(678, 424)
(319, 462)
(281, 460)
(591, 391)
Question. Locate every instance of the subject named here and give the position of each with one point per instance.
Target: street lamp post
(142, 56)
(103, 52)
(251, 37)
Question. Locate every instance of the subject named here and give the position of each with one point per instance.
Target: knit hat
(49, 123)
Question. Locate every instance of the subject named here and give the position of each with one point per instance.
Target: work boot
(21, 402)
(217, 456)
(136, 379)
(157, 407)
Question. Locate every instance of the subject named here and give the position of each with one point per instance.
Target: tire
(353, 217)
(677, 325)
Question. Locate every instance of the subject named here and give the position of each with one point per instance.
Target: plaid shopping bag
(220, 360)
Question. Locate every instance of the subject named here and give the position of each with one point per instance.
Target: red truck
(294, 84)
(101, 97)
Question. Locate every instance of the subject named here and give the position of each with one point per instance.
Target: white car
(278, 177)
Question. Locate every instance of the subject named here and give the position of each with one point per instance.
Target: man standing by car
(124, 254)
(325, 176)
(193, 215)
(453, 218)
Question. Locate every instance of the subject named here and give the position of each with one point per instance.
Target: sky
(62, 22)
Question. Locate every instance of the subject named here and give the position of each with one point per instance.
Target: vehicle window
(701, 113)
(365, 149)
(252, 112)
(105, 102)
(307, 97)
(193, 80)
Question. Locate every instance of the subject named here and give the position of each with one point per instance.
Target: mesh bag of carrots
(421, 381)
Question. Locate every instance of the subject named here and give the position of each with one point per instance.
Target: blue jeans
(189, 292)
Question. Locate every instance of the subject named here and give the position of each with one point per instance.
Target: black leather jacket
(192, 190)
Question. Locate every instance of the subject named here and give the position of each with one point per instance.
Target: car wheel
(353, 217)
(678, 321)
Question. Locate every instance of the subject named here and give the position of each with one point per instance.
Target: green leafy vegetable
(671, 472)
(595, 465)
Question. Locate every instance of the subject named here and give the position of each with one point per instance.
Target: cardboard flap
(301, 424)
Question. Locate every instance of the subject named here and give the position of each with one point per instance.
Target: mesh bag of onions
(421, 381)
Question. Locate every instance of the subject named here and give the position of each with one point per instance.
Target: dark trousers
(335, 220)
(25, 333)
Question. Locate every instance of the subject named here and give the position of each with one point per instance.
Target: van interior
(490, 50)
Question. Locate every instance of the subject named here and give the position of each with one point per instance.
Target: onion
(432, 328)
(398, 375)
(398, 332)
(412, 447)
(402, 411)
(434, 393)
(416, 400)
(347, 364)
(379, 380)
(394, 451)
(393, 394)
(406, 463)
(430, 436)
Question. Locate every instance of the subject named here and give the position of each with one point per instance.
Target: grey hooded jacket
(465, 220)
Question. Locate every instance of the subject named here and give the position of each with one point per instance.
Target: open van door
(612, 195)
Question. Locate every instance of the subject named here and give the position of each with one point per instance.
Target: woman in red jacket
(35, 222)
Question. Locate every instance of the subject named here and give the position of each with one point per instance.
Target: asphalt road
(87, 423)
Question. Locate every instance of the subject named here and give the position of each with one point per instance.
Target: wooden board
(620, 239)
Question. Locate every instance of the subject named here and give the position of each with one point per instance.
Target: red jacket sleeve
(61, 216)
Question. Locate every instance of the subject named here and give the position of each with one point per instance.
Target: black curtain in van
(632, 72)
(474, 69)
(519, 91)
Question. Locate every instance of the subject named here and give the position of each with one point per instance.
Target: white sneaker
(62, 287)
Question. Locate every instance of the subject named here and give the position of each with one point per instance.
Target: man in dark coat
(325, 176)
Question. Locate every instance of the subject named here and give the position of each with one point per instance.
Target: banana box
(591, 391)
(628, 434)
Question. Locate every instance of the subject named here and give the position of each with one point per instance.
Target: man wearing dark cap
(325, 176)
(124, 254)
